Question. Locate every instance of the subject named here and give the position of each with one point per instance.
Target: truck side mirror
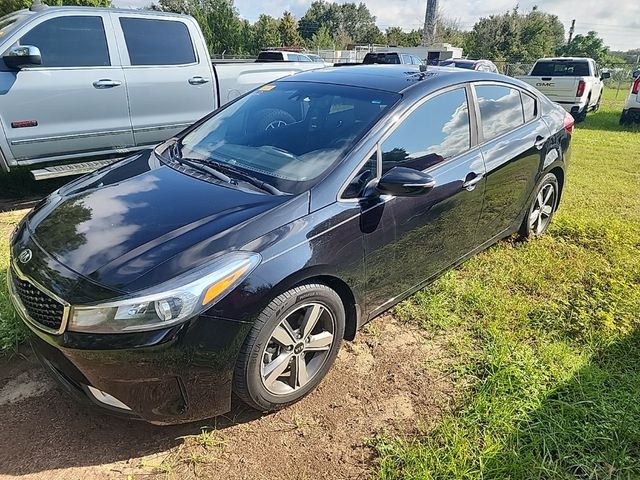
(606, 75)
(22, 56)
(636, 74)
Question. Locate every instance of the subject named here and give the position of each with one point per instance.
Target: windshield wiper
(267, 187)
(197, 164)
(215, 168)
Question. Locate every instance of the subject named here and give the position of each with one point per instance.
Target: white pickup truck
(575, 83)
(80, 82)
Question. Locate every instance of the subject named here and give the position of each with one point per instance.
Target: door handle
(540, 142)
(106, 83)
(471, 184)
(198, 80)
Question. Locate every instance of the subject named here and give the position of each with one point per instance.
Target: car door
(513, 149)
(408, 240)
(76, 100)
(168, 75)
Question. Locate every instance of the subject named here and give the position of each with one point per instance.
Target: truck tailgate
(558, 89)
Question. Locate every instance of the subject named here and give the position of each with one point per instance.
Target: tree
(9, 6)
(514, 37)
(219, 20)
(589, 45)
(266, 34)
(288, 29)
(321, 39)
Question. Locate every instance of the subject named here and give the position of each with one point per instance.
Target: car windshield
(288, 134)
(467, 65)
(560, 68)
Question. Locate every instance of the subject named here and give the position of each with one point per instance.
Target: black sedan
(240, 254)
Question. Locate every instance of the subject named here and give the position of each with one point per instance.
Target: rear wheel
(542, 208)
(290, 348)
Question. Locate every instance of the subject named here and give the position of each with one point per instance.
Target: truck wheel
(624, 118)
(290, 348)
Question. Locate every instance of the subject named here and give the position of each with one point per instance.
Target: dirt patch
(380, 384)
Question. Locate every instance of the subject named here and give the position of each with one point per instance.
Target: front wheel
(542, 208)
(290, 348)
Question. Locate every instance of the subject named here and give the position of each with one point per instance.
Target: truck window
(387, 58)
(157, 42)
(500, 110)
(71, 41)
(270, 57)
(560, 68)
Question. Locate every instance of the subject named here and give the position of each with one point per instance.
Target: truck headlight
(168, 303)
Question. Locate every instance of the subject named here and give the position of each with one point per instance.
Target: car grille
(40, 307)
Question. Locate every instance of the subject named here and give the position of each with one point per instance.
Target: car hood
(120, 223)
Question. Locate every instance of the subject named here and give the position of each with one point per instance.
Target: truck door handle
(198, 80)
(106, 83)
(471, 183)
(540, 142)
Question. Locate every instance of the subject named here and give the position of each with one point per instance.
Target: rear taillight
(569, 123)
(636, 86)
(581, 86)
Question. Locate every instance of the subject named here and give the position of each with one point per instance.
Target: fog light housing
(106, 399)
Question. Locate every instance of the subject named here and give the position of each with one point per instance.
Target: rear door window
(70, 41)
(500, 109)
(157, 42)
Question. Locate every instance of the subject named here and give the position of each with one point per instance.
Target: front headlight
(168, 303)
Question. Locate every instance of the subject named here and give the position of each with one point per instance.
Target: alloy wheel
(540, 215)
(297, 349)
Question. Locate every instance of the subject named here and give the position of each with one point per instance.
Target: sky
(617, 21)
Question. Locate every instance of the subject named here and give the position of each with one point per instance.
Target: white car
(576, 83)
(631, 112)
(282, 56)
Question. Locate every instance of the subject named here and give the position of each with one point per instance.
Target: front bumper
(163, 377)
(175, 375)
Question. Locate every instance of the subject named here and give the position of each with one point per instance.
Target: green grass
(546, 336)
(11, 328)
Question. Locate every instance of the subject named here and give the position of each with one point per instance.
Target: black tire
(624, 119)
(260, 350)
(273, 118)
(530, 229)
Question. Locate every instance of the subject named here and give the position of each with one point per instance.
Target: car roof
(395, 78)
(48, 9)
(461, 60)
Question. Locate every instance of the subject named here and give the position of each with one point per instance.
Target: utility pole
(430, 20)
(571, 30)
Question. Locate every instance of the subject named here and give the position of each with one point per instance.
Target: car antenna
(37, 6)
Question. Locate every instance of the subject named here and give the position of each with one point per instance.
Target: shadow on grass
(588, 428)
(18, 190)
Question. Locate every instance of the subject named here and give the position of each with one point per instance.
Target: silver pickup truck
(82, 82)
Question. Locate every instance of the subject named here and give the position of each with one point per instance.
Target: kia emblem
(25, 256)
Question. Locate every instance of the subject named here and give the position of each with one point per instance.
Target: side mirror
(23, 56)
(636, 74)
(405, 182)
(605, 75)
